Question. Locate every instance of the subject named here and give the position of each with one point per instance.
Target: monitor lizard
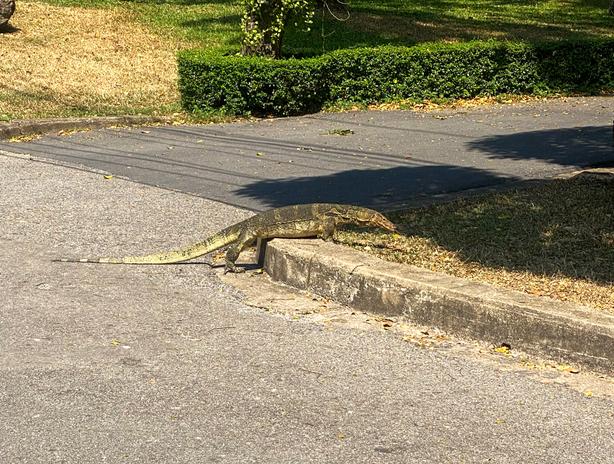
(296, 221)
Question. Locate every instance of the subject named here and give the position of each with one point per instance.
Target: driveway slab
(388, 160)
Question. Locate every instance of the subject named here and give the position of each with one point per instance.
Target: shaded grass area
(125, 50)
(406, 22)
(554, 240)
(367, 23)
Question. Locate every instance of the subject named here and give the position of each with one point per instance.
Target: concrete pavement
(167, 364)
(565, 332)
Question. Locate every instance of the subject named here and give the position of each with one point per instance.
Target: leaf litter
(554, 240)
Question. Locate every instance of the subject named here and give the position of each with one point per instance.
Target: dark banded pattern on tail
(210, 244)
(90, 260)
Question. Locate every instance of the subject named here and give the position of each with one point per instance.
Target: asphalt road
(167, 364)
(389, 159)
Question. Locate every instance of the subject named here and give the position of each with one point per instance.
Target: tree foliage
(264, 23)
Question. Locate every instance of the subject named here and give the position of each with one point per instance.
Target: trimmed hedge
(250, 85)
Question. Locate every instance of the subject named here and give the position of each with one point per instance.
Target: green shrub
(248, 85)
(240, 85)
(577, 66)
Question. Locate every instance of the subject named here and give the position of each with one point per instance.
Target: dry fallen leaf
(503, 349)
(567, 368)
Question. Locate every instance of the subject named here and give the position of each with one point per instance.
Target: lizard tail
(215, 242)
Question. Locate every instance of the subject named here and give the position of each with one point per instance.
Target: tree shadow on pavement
(394, 186)
(550, 229)
(574, 146)
(382, 189)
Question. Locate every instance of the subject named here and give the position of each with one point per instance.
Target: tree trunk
(268, 46)
(7, 8)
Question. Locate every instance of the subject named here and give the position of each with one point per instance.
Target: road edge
(542, 326)
(33, 127)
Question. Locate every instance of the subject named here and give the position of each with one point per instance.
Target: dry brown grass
(66, 61)
(556, 240)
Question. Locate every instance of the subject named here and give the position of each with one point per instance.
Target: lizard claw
(233, 269)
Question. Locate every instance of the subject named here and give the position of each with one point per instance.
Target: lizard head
(368, 217)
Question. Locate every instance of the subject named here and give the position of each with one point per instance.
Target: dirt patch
(70, 61)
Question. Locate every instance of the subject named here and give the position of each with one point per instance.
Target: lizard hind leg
(233, 252)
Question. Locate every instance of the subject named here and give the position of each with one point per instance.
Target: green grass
(403, 22)
(398, 22)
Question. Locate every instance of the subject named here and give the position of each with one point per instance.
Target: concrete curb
(542, 326)
(26, 128)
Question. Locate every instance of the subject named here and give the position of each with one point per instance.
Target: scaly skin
(297, 221)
